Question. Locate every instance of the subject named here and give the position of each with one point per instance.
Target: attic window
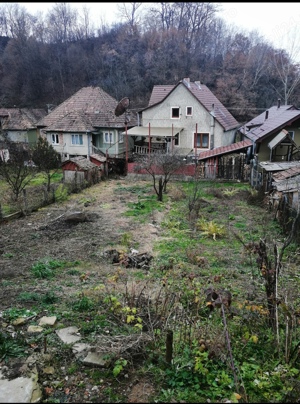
(189, 111)
(175, 112)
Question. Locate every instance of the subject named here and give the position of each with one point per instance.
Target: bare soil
(47, 234)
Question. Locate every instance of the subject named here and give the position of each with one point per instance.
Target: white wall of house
(18, 135)
(160, 116)
(62, 142)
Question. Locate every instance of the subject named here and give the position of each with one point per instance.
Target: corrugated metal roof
(89, 107)
(262, 126)
(154, 131)
(278, 166)
(218, 151)
(203, 95)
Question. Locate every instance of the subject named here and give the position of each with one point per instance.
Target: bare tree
(46, 158)
(17, 170)
(285, 64)
(129, 12)
(161, 167)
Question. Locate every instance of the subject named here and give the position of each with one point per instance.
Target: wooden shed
(79, 170)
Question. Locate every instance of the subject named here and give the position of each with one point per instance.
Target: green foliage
(119, 366)
(11, 347)
(14, 313)
(61, 193)
(144, 206)
(46, 268)
(83, 304)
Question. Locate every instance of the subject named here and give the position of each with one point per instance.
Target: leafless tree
(129, 11)
(161, 167)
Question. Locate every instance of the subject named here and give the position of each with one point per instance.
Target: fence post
(25, 201)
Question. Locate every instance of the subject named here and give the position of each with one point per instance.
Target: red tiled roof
(218, 151)
(89, 108)
(203, 95)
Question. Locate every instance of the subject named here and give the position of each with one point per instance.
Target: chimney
(267, 115)
(198, 84)
(278, 103)
(186, 81)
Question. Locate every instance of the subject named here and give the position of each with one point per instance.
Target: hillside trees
(47, 59)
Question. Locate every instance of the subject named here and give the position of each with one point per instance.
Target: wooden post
(169, 346)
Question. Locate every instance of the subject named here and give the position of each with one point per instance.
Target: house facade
(185, 118)
(275, 134)
(19, 124)
(85, 124)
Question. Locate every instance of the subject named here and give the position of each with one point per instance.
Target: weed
(119, 366)
(14, 313)
(210, 228)
(61, 193)
(83, 304)
(11, 347)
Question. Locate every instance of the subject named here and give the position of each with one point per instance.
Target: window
(77, 139)
(292, 134)
(175, 112)
(108, 137)
(121, 138)
(201, 140)
(54, 138)
(189, 111)
(176, 140)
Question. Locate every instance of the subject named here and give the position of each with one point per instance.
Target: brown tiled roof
(81, 162)
(202, 95)
(98, 157)
(276, 119)
(218, 151)
(21, 118)
(74, 121)
(90, 107)
(159, 93)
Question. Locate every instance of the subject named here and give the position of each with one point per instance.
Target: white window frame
(191, 114)
(291, 133)
(108, 137)
(54, 138)
(121, 137)
(76, 140)
(172, 113)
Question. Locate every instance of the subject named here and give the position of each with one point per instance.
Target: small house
(81, 172)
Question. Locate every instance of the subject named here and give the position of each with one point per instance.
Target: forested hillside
(45, 59)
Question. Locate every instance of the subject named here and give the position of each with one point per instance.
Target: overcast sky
(276, 22)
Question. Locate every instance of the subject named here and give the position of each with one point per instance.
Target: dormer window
(189, 111)
(175, 112)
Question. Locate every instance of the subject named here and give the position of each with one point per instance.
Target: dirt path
(47, 234)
